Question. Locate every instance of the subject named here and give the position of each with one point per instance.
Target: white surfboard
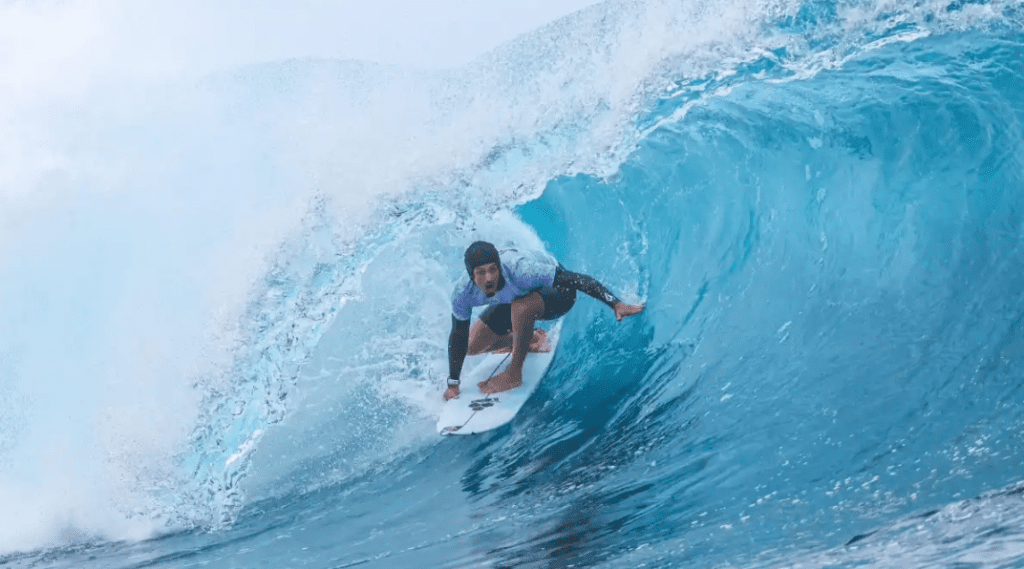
(473, 412)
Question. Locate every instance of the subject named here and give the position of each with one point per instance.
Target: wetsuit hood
(480, 253)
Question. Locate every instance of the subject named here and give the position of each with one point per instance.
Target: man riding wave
(520, 287)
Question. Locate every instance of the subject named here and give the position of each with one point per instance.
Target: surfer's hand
(452, 393)
(623, 310)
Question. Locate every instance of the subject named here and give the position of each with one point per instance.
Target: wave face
(822, 205)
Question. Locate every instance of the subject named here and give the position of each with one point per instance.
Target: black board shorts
(557, 301)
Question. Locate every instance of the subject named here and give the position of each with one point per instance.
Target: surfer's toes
(539, 342)
(492, 389)
(501, 382)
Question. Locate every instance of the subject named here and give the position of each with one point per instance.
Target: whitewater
(224, 298)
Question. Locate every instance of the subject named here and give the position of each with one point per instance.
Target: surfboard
(473, 412)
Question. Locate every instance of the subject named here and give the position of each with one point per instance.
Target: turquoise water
(232, 355)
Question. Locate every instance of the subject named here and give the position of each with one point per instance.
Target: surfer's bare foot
(508, 379)
(539, 343)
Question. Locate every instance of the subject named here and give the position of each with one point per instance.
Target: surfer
(521, 287)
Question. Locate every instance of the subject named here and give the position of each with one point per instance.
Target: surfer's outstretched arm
(592, 287)
(458, 345)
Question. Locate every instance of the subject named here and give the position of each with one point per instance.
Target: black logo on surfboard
(480, 404)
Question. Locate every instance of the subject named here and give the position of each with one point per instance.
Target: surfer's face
(486, 277)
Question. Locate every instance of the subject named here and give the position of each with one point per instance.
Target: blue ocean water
(232, 319)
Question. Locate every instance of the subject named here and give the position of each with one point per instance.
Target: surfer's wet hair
(480, 253)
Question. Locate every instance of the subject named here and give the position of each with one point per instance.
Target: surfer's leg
(525, 312)
(483, 339)
(491, 331)
(539, 343)
(557, 302)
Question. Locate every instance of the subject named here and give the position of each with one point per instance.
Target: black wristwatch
(453, 382)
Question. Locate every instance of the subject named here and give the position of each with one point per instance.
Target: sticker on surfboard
(473, 412)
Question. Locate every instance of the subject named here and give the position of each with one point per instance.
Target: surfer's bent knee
(532, 304)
